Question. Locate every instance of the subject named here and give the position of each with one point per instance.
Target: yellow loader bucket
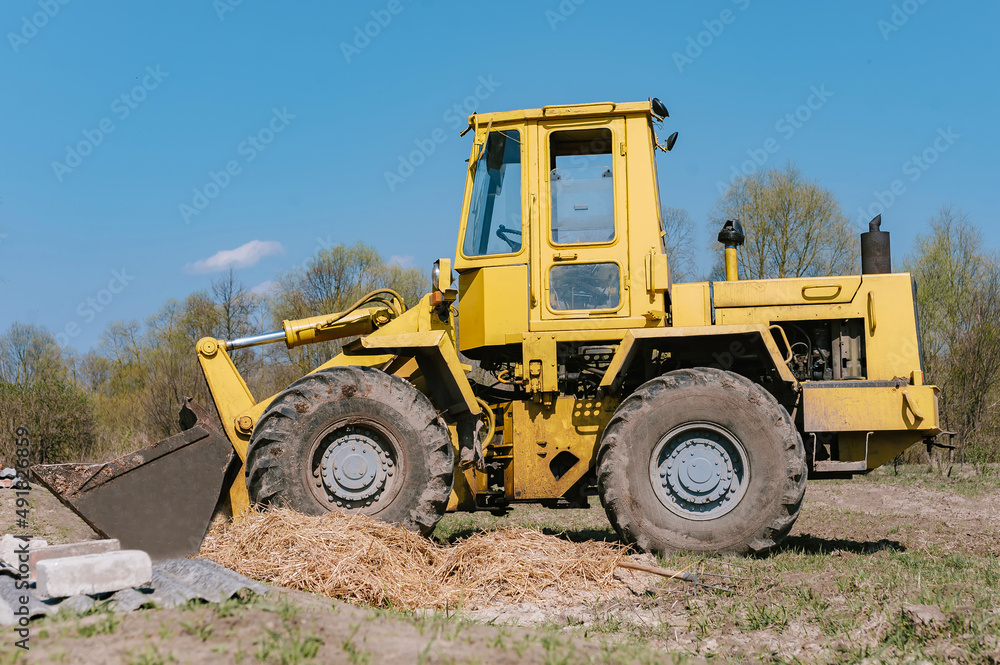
(160, 499)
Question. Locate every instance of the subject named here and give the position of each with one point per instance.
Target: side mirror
(659, 109)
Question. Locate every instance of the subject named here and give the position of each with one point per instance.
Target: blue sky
(140, 140)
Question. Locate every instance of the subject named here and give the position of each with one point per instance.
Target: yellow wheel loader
(696, 411)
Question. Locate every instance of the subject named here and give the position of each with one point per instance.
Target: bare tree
(330, 282)
(27, 353)
(794, 227)
(237, 307)
(678, 243)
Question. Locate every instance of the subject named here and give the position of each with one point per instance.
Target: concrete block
(93, 573)
(11, 546)
(72, 549)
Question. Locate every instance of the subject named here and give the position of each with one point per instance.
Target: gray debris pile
(37, 579)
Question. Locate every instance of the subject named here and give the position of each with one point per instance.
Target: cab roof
(563, 111)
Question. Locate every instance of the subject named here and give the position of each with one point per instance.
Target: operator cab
(561, 213)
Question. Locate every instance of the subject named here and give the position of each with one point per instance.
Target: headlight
(435, 276)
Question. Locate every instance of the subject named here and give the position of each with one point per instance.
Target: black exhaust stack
(876, 257)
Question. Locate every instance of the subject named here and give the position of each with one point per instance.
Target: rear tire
(354, 439)
(701, 460)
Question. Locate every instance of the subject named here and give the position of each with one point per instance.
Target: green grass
(355, 654)
(149, 656)
(103, 622)
(288, 646)
(964, 480)
(201, 629)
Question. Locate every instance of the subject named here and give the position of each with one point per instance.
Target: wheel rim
(699, 471)
(355, 466)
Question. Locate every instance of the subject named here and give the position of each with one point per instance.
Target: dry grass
(361, 560)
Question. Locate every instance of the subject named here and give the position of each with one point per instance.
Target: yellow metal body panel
(876, 448)
(657, 272)
(691, 305)
(884, 302)
(494, 304)
(835, 407)
(540, 434)
(540, 363)
(797, 291)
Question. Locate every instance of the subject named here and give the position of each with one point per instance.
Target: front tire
(701, 460)
(353, 439)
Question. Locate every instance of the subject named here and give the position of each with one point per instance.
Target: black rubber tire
(773, 447)
(282, 453)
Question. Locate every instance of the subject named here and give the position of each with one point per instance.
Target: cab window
(493, 225)
(581, 179)
(584, 286)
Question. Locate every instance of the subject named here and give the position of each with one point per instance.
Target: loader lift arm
(415, 344)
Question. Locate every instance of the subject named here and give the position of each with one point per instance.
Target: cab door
(582, 245)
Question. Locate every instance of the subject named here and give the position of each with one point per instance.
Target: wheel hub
(699, 471)
(356, 466)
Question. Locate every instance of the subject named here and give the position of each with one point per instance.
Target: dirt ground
(838, 589)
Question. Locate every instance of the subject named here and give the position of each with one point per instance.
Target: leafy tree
(38, 392)
(958, 301)
(794, 227)
(950, 267)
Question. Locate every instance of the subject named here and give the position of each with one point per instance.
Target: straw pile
(361, 560)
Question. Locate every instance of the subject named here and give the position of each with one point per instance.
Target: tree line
(126, 393)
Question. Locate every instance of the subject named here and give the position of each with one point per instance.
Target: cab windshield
(493, 225)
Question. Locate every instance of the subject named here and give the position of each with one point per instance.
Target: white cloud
(264, 288)
(402, 260)
(243, 256)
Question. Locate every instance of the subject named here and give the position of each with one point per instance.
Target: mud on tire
(701, 460)
(356, 437)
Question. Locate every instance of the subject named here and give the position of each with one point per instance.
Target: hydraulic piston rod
(255, 340)
(374, 310)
